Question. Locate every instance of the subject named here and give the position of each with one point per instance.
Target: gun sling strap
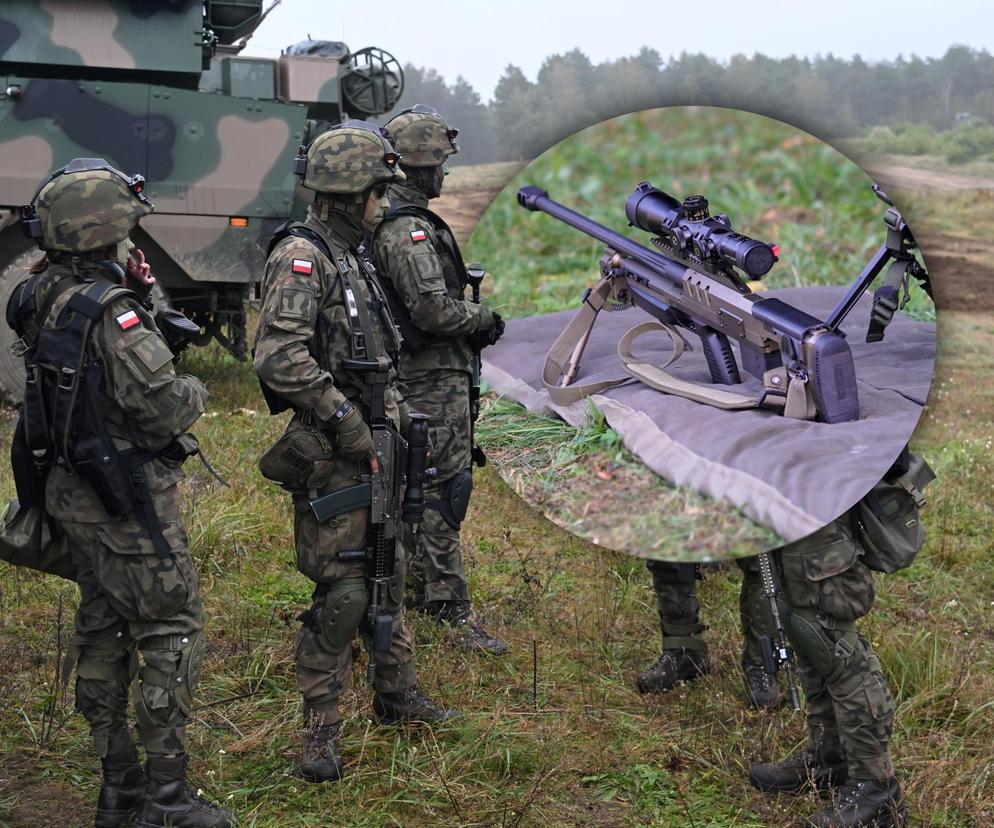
(563, 359)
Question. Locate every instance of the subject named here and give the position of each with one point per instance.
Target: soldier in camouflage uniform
(685, 654)
(422, 270)
(849, 709)
(319, 305)
(138, 588)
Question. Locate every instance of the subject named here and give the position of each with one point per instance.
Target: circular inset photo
(720, 333)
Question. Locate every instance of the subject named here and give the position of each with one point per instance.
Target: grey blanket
(790, 475)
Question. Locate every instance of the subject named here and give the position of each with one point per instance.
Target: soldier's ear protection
(31, 224)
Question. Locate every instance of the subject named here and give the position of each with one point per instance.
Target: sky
(479, 39)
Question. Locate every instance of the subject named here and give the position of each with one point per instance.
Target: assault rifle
(691, 281)
(474, 275)
(775, 650)
(384, 493)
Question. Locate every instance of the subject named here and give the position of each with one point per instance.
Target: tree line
(828, 96)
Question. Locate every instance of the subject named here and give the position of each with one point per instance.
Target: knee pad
(163, 694)
(827, 652)
(108, 659)
(340, 613)
(453, 499)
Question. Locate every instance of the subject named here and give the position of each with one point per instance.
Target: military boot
(169, 802)
(763, 692)
(864, 803)
(809, 768)
(121, 790)
(319, 759)
(470, 634)
(409, 705)
(672, 667)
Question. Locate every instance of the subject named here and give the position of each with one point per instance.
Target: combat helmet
(86, 205)
(348, 158)
(422, 137)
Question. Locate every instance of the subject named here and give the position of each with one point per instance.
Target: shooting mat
(793, 476)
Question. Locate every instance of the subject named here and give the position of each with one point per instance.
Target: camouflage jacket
(425, 268)
(305, 332)
(146, 403)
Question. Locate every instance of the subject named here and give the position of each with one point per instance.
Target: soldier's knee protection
(453, 499)
(826, 646)
(163, 694)
(104, 669)
(339, 614)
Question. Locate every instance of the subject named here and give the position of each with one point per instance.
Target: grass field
(553, 732)
(775, 183)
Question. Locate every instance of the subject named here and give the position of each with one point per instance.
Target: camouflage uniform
(318, 312)
(849, 708)
(290, 364)
(130, 597)
(419, 261)
(675, 586)
(136, 596)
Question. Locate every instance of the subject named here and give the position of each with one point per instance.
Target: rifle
(690, 281)
(776, 652)
(386, 496)
(474, 275)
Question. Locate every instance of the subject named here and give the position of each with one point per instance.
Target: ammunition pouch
(301, 459)
(886, 520)
(453, 503)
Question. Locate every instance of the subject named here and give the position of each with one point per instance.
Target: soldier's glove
(478, 340)
(355, 440)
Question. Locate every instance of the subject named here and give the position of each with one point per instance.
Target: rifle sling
(568, 347)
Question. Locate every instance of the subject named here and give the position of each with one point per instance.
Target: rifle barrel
(535, 198)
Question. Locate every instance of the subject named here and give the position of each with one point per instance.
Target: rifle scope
(691, 228)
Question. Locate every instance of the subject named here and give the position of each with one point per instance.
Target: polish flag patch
(418, 235)
(127, 320)
(302, 266)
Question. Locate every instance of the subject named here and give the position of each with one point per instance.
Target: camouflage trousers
(435, 570)
(848, 704)
(339, 607)
(675, 585)
(135, 603)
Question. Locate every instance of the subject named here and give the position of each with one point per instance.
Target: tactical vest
(372, 331)
(62, 420)
(415, 339)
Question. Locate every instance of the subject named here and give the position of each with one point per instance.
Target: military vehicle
(159, 87)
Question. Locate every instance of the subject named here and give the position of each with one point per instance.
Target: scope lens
(651, 209)
(754, 257)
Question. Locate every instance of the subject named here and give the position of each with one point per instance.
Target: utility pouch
(301, 459)
(886, 521)
(94, 456)
(26, 539)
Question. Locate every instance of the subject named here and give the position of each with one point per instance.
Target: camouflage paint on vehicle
(158, 88)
